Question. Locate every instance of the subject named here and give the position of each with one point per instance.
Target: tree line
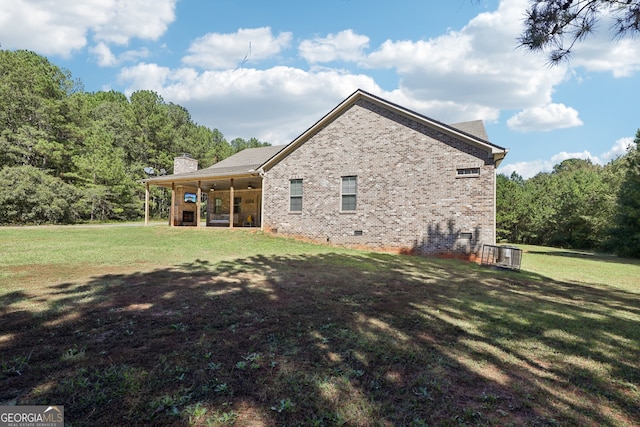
(578, 205)
(68, 156)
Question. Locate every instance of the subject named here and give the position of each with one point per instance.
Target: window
(467, 172)
(237, 201)
(217, 205)
(349, 193)
(295, 195)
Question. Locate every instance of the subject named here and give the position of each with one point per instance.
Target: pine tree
(555, 26)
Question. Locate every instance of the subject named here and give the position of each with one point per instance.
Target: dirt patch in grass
(324, 339)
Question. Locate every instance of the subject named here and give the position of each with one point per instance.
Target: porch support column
(146, 204)
(231, 204)
(198, 205)
(172, 214)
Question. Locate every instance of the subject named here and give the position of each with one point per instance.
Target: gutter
(498, 156)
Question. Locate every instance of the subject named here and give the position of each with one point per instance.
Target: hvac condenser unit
(502, 256)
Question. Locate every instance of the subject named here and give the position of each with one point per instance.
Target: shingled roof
(245, 162)
(475, 128)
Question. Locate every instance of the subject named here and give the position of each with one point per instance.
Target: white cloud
(545, 118)
(216, 51)
(345, 45)
(620, 148)
(601, 51)
(476, 65)
(532, 168)
(143, 19)
(444, 111)
(463, 75)
(563, 155)
(620, 57)
(103, 55)
(145, 76)
(526, 169)
(273, 105)
(28, 25)
(133, 55)
(106, 58)
(472, 73)
(62, 27)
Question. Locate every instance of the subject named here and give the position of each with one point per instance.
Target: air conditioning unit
(508, 257)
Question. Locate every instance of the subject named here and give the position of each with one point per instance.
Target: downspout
(495, 219)
(261, 173)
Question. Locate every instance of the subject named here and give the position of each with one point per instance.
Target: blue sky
(271, 69)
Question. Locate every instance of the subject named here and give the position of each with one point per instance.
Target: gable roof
(471, 132)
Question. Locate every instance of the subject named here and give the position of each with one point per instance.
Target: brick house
(368, 174)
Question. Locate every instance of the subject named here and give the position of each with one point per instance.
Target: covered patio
(231, 190)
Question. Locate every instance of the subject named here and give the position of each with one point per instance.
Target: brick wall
(409, 197)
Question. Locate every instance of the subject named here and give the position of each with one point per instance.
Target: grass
(211, 327)
(583, 267)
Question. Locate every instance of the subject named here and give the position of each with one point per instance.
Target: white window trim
(348, 211)
(468, 171)
(300, 196)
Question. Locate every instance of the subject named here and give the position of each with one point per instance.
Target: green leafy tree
(239, 144)
(102, 173)
(32, 196)
(212, 147)
(151, 131)
(83, 154)
(570, 207)
(541, 190)
(112, 112)
(512, 204)
(625, 236)
(100, 165)
(555, 26)
(33, 119)
(581, 211)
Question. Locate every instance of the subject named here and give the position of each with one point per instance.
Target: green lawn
(127, 325)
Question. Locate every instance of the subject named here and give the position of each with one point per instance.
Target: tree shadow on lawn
(329, 339)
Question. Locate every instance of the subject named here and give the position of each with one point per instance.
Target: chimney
(184, 164)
